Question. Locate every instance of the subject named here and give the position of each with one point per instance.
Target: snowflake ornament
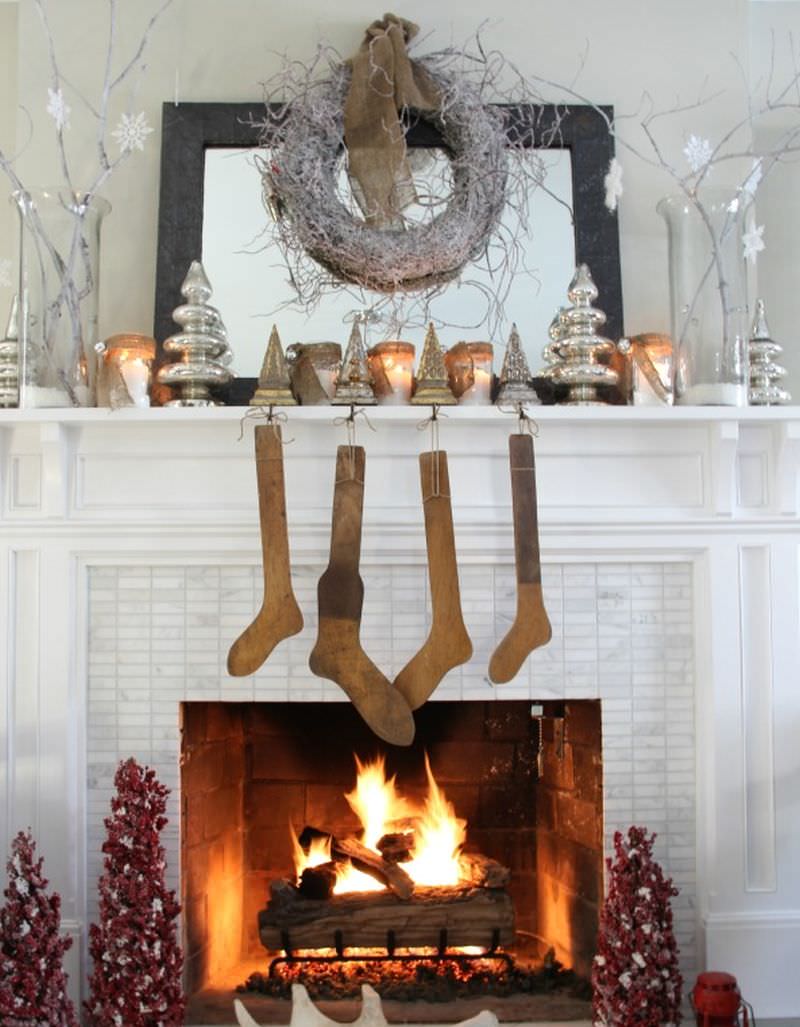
(753, 243)
(58, 108)
(132, 131)
(5, 274)
(698, 153)
(613, 184)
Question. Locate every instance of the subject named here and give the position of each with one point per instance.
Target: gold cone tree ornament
(515, 377)
(355, 383)
(274, 386)
(432, 386)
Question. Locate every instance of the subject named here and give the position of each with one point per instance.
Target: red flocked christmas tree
(33, 985)
(136, 980)
(635, 976)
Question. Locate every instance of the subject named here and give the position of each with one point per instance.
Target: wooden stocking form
(279, 616)
(531, 627)
(337, 654)
(448, 643)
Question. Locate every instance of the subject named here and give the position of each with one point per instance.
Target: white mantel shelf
(716, 488)
(603, 467)
(483, 415)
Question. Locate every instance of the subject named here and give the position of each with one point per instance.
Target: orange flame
(439, 834)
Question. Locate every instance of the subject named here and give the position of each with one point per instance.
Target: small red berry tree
(33, 985)
(136, 981)
(635, 977)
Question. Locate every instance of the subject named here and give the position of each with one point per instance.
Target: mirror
(210, 205)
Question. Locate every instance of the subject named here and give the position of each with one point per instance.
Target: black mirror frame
(189, 129)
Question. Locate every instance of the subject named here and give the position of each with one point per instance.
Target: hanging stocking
(531, 627)
(448, 643)
(279, 616)
(337, 654)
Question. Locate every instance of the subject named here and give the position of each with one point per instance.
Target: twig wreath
(300, 180)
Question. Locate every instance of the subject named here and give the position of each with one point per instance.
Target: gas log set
(406, 884)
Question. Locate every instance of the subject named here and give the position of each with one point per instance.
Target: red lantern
(717, 1002)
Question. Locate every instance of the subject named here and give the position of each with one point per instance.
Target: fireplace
(622, 638)
(132, 563)
(526, 777)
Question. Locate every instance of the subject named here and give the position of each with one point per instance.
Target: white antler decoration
(306, 1014)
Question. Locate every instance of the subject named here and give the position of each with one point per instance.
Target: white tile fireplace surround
(671, 544)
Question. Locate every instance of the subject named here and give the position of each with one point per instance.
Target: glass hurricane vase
(708, 296)
(59, 268)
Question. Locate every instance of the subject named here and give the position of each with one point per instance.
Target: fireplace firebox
(525, 778)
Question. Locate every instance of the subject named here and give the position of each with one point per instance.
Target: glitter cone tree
(136, 980)
(33, 985)
(635, 977)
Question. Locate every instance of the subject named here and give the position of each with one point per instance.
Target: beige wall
(223, 51)
(774, 29)
(8, 104)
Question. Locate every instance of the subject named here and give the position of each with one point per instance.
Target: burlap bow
(384, 81)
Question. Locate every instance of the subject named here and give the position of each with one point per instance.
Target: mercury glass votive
(391, 365)
(126, 373)
(469, 371)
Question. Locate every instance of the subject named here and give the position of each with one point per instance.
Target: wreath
(300, 180)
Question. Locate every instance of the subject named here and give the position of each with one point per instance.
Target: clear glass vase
(59, 269)
(708, 296)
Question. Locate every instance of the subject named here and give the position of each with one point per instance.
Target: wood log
(363, 859)
(318, 882)
(396, 847)
(482, 872)
(470, 916)
(369, 862)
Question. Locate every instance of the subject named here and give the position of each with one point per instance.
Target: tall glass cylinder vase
(708, 295)
(59, 274)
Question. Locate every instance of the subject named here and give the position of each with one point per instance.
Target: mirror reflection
(252, 287)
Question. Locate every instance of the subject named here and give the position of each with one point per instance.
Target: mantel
(598, 466)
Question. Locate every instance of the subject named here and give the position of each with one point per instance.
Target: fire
(439, 834)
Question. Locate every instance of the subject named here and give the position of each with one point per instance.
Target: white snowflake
(750, 184)
(625, 980)
(24, 928)
(600, 960)
(613, 184)
(639, 960)
(22, 886)
(158, 906)
(698, 153)
(58, 108)
(6, 280)
(644, 891)
(132, 131)
(753, 243)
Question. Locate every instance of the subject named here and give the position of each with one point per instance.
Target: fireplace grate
(391, 955)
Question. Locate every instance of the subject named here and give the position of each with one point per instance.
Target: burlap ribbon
(384, 81)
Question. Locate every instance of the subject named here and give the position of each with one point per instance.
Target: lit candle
(480, 389)
(126, 371)
(136, 375)
(392, 367)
